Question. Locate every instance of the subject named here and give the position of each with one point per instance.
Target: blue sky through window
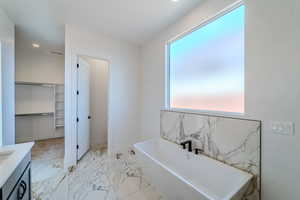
(207, 66)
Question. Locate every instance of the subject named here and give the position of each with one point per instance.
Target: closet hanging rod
(38, 84)
(34, 114)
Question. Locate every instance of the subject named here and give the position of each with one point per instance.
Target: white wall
(98, 102)
(1, 132)
(272, 90)
(123, 87)
(7, 38)
(37, 64)
(272, 84)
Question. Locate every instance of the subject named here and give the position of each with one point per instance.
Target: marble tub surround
(235, 142)
(97, 176)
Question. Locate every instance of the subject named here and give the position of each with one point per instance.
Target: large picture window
(206, 66)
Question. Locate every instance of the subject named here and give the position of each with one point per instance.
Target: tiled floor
(47, 159)
(97, 176)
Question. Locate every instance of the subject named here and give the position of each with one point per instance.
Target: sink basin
(5, 153)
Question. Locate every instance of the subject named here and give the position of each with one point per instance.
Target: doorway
(39, 86)
(92, 104)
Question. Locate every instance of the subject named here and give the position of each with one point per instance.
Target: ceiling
(131, 20)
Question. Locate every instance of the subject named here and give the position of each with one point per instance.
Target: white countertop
(12, 161)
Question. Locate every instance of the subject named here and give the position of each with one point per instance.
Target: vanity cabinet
(18, 186)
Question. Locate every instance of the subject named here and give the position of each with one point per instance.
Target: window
(206, 66)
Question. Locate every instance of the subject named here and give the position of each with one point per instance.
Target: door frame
(109, 136)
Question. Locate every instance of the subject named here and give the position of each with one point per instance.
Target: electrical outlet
(283, 128)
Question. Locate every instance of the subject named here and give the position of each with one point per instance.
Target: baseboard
(98, 146)
(22, 140)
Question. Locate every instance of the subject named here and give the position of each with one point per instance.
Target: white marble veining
(101, 176)
(97, 176)
(233, 141)
(11, 161)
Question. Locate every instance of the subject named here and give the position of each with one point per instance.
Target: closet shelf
(37, 83)
(59, 114)
(35, 114)
(59, 125)
(61, 117)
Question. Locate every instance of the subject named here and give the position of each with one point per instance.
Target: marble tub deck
(97, 176)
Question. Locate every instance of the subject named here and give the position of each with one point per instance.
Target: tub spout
(198, 151)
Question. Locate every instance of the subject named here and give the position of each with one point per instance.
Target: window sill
(208, 113)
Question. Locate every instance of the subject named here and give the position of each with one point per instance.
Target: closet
(39, 91)
(39, 111)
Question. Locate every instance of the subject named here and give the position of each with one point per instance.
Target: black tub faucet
(198, 151)
(189, 143)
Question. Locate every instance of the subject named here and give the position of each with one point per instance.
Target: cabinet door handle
(22, 190)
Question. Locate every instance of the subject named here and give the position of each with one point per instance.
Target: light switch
(283, 128)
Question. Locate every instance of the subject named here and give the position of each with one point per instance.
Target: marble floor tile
(147, 194)
(97, 176)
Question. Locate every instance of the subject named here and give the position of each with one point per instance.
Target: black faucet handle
(186, 142)
(189, 143)
(198, 151)
(183, 144)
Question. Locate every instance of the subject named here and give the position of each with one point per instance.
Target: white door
(83, 108)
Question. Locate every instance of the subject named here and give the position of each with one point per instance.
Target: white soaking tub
(181, 175)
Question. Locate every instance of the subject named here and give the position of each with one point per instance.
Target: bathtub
(181, 175)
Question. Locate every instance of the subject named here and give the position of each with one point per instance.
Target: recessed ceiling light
(175, 0)
(35, 45)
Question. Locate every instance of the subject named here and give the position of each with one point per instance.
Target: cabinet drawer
(10, 184)
(22, 188)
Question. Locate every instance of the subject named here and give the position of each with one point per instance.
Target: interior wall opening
(39, 103)
(92, 104)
